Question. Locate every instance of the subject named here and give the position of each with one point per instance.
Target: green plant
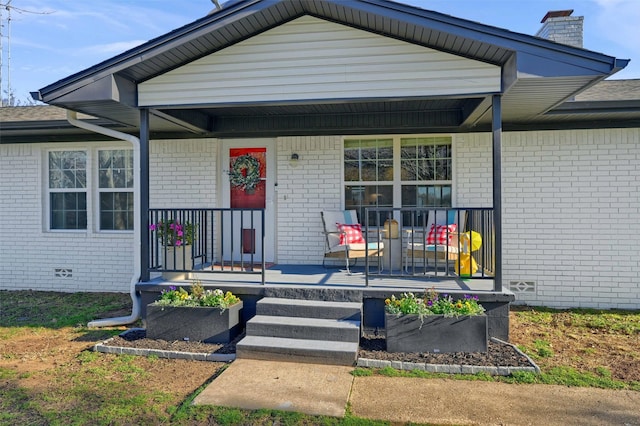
(174, 233)
(197, 297)
(433, 304)
(543, 348)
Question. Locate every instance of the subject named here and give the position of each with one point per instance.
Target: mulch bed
(372, 346)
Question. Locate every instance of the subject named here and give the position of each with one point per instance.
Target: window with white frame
(115, 189)
(397, 172)
(67, 189)
(73, 175)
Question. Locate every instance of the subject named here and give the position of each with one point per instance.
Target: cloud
(617, 21)
(109, 48)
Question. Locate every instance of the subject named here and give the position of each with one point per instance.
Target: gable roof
(537, 74)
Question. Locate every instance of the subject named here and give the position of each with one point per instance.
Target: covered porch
(304, 76)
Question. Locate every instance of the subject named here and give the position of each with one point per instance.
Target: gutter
(72, 117)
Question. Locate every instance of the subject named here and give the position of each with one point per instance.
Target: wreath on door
(245, 172)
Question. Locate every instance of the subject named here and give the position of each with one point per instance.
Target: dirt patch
(558, 343)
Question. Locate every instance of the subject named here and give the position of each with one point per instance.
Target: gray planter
(436, 333)
(203, 324)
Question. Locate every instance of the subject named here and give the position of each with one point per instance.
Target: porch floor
(317, 275)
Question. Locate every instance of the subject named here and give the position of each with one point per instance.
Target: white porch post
(496, 131)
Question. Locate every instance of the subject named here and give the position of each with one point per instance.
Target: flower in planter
(174, 233)
(197, 297)
(433, 304)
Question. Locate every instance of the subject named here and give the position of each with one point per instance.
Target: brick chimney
(561, 27)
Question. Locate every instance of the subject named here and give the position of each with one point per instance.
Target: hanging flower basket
(245, 173)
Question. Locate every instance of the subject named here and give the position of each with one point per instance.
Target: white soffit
(314, 59)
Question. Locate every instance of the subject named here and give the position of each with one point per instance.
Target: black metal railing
(466, 250)
(221, 240)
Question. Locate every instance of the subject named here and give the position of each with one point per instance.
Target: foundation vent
(523, 286)
(63, 273)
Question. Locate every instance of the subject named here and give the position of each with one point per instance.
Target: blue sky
(67, 36)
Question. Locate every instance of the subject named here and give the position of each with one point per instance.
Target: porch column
(144, 194)
(496, 131)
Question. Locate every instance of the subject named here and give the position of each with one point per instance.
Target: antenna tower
(5, 19)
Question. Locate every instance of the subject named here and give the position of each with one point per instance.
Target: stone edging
(453, 369)
(104, 348)
(361, 362)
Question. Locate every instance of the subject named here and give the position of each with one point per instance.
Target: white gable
(313, 59)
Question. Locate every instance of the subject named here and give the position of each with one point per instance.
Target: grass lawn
(49, 375)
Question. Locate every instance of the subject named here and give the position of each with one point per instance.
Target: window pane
(385, 170)
(426, 159)
(116, 211)
(106, 201)
(106, 220)
(368, 160)
(67, 169)
(360, 197)
(423, 196)
(351, 171)
(443, 169)
(115, 169)
(426, 196)
(55, 178)
(368, 170)
(68, 210)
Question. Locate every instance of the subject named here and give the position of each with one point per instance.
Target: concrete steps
(286, 307)
(302, 330)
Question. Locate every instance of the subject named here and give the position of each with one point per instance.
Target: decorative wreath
(245, 172)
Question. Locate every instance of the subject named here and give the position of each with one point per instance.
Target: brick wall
(33, 258)
(571, 207)
(182, 173)
(565, 30)
(313, 185)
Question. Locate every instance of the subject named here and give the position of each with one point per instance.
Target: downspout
(72, 117)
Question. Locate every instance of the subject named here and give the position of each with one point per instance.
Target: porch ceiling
(537, 74)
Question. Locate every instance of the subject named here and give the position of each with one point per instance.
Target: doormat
(240, 267)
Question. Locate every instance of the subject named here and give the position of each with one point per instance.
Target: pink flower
(152, 227)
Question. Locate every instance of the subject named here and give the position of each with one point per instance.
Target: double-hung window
(80, 188)
(68, 189)
(115, 186)
(395, 172)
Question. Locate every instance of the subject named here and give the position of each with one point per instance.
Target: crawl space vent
(522, 286)
(63, 273)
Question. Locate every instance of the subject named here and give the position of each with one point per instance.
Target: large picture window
(115, 186)
(68, 189)
(397, 172)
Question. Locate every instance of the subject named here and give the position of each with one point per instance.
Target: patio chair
(344, 239)
(438, 242)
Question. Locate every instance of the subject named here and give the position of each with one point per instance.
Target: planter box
(202, 324)
(436, 333)
(178, 258)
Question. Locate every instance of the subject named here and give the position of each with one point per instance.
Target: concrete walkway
(305, 388)
(326, 390)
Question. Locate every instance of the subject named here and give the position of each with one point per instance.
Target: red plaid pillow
(353, 233)
(438, 234)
